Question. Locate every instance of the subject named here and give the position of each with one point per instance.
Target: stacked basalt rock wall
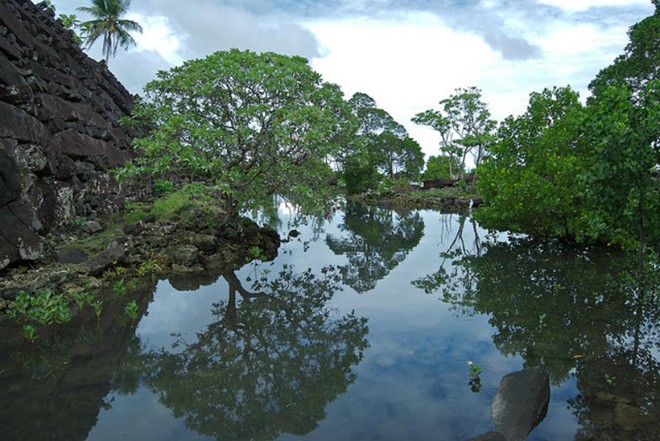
(59, 131)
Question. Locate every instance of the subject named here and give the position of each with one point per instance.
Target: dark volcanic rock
(71, 255)
(102, 261)
(10, 180)
(59, 130)
(520, 403)
(18, 240)
(184, 255)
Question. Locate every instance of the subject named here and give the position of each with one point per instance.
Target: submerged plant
(30, 332)
(120, 288)
(149, 266)
(131, 310)
(82, 298)
(98, 308)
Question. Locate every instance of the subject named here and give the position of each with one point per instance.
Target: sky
(406, 54)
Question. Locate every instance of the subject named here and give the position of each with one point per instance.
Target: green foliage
(107, 23)
(81, 298)
(247, 125)
(98, 308)
(148, 266)
(171, 205)
(360, 175)
(475, 371)
(623, 137)
(162, 186)
(588, 174)
(441, 167)
(70, 22)
(131, 310)
(44, 308)
(135, 211)
(119, 288)
(381, 144)
(529, 181)
(464, 126)
(639, 63)
(30, 332)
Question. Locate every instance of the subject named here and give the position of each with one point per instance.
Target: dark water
(361, 329)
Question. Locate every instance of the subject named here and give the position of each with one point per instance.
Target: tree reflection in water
(269, 364)
(378, 240)
(570, 311)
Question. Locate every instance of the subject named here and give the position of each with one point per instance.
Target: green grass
(96, 243)
(135, 211)
(171, 205)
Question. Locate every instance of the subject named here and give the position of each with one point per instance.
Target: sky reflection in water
(411, 382)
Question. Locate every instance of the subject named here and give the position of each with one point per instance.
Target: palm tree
(108, 23)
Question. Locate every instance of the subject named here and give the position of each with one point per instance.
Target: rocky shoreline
(446, 203)
(132, 250)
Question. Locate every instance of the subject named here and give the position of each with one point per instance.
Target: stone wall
(59, 131)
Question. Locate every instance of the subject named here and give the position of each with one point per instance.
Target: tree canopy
(107, 23)
(382, 147)
(640, 61)
(529, 180)
(588, 173)
(248, 125)
(464, 125)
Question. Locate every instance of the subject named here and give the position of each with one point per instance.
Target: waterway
(365, 327)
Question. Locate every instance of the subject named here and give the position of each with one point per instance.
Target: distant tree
(360, 174)
(440, 167)
(107, 23)
(247, 125)
(464, 125)
(395, 155)
(381, 143)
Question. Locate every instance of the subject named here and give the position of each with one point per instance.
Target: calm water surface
(361, 329)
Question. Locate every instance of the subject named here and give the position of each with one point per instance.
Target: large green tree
(620, 182)
(464, 125)
(624, 134)
(529, 181)
(585, 173)
(248, 125)
(109, 24)
(640, 61)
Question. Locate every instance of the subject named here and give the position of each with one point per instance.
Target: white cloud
(407, 55)
(583, 5)
(410, 62)
(407, 64)
(158, 36)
